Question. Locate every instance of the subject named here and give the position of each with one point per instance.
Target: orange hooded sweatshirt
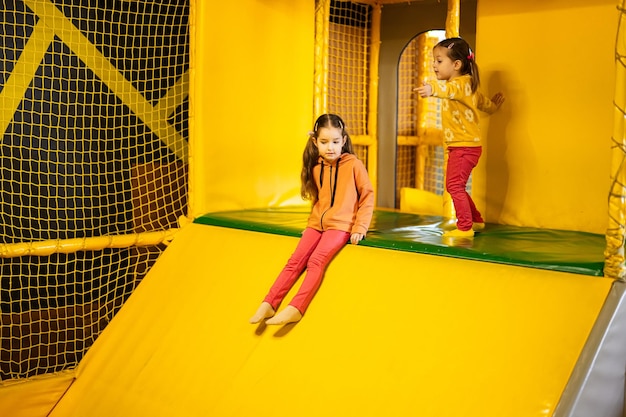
(345, 196)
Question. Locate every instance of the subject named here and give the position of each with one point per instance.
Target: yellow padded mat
(34, 397)
(390, 333)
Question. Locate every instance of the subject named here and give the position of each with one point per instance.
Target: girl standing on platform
(455, 64)
(338, 185)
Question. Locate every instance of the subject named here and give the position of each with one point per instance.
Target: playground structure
(523, 353)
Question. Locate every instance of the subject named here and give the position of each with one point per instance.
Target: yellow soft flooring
(390, 333)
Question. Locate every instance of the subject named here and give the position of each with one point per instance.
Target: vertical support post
(452, 18)
(616, 230)
(191, 175)
(426, 135)
(372, 111)
(452, 30)
(320, 72)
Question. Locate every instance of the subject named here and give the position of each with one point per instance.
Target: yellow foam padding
(34, 397)
(390, 333)
(236, 163)
(534, 170)
(423, 202)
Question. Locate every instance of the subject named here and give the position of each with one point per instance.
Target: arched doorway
(419, 155)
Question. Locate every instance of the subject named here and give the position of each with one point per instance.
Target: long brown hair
(459, 49)
(310, 157)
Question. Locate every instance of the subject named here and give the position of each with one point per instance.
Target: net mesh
(405, 168)
(348, 56)
(94, 101)
(348, 61)
(406, 151)
(407, 81)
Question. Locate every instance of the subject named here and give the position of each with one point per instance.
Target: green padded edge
(557, 250)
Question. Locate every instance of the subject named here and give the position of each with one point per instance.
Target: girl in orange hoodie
(336, 181)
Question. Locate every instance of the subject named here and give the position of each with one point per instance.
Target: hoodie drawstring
(334, 190)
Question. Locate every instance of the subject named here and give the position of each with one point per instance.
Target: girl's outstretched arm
(425, 90)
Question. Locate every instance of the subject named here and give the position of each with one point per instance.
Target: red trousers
(314, 252)
(461, 162)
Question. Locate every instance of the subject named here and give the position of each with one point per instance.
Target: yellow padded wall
(252, 89)
(547, 154)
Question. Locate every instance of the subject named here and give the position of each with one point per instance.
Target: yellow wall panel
(252, 102)
(547, 152)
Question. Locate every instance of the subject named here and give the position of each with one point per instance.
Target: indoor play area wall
(184, 124)
(258, 76)
(546, 160)
(538, 164)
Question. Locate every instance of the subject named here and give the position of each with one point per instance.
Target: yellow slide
(388, 334)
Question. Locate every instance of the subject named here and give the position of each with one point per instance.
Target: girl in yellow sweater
(454, 64)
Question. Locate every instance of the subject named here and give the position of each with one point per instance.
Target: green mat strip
(558, 250)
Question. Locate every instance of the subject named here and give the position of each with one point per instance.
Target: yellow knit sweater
(459, 110)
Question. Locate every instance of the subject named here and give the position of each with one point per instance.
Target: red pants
(314, 251)
(461, 162)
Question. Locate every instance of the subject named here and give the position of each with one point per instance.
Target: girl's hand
(498, 99)
(355, 238)
(425, 90)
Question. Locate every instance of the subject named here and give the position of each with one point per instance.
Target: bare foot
(264, 311)
(289, 315)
